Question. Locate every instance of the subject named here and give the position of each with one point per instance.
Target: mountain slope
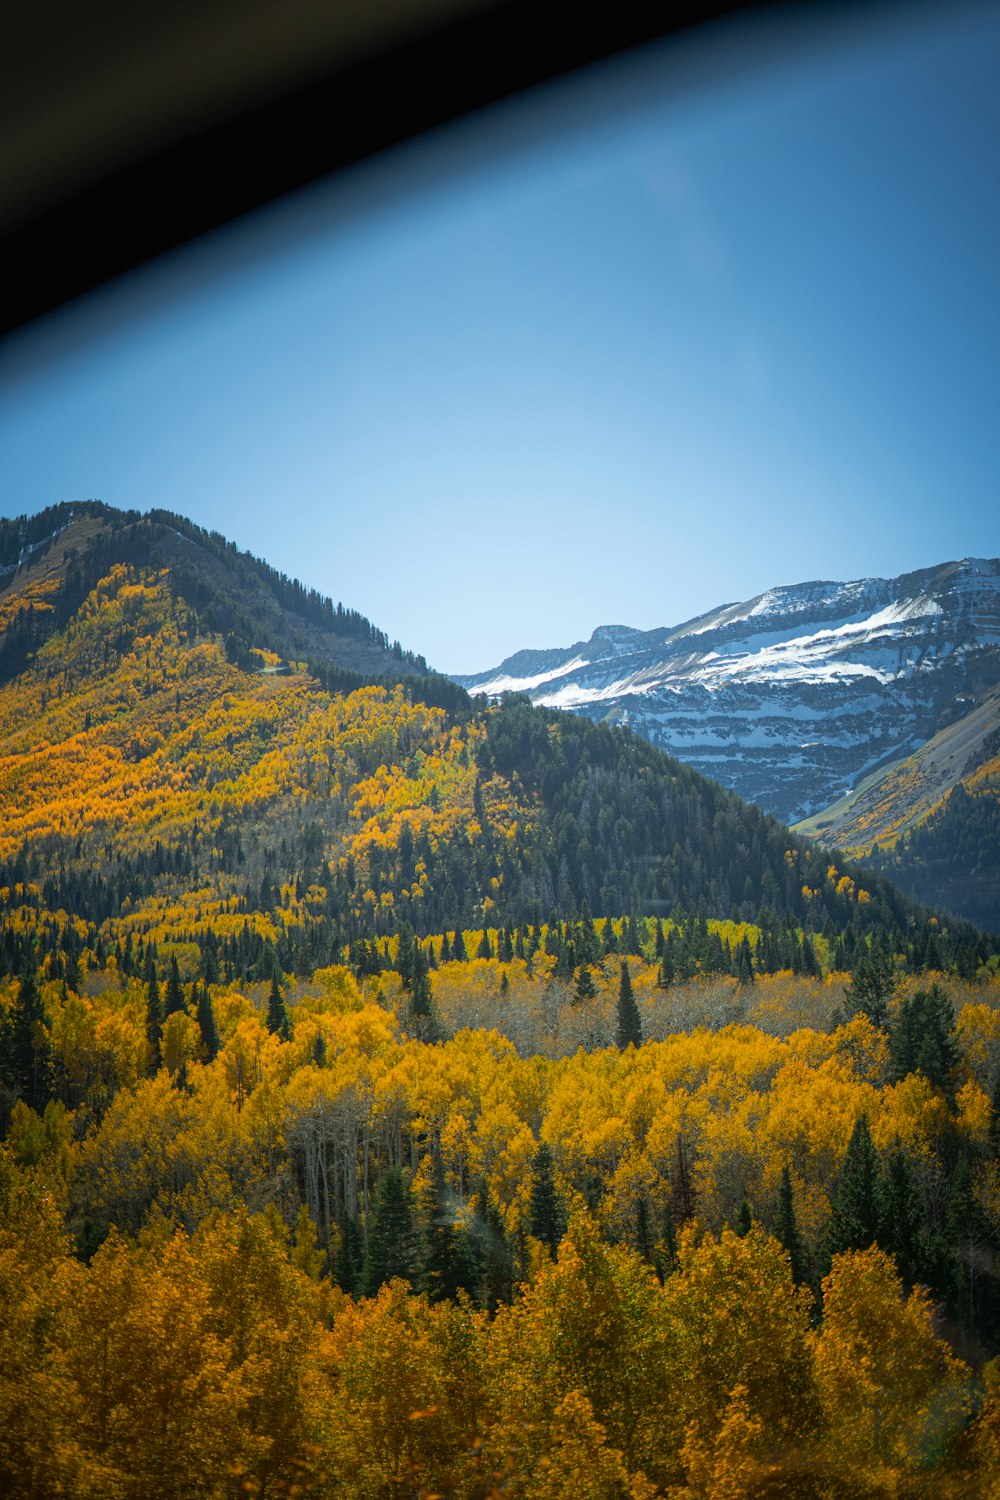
(154, 780)
(898, 797)
(931, 821)
(50, 562)
(792, 697)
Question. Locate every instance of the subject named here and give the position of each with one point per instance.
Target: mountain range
(192, 743)
(849, 709)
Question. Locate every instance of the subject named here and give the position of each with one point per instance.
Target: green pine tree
(628, 1031)
(584, 989)
(901, 1216)
(744, 963)
(788, 1229)
(154, 1018)
(277, 1013)
(872, 986)
(922, 1039)
(449, 1262)
(856, 1206)
(391, 1248)
(210, 1040)
(495, 1253)
(175, 990)
(25, 1051)
(347, 1266)
(545, 1219)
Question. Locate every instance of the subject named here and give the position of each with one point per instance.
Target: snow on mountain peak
(792, 695)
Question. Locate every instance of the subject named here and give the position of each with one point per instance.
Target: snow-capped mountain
(794, 696)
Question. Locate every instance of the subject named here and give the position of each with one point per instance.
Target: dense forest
(430, 1097)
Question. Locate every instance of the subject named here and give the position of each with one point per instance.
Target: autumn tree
(890, 1388)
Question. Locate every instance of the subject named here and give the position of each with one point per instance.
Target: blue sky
(609, 363)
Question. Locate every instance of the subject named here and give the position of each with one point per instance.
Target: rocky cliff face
(793, 697)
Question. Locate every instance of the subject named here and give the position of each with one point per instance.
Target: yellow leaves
(890, 1388)
(737, 1319)
(403, 1403)
(974, 1112)
(181, 1041)
(727, 1466)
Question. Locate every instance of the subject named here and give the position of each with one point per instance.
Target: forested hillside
(951, 857)
(406, 1095)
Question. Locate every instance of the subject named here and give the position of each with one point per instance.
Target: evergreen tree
(665, 973)
(872, 986)
(485, 949)
(495, 1254)
(744, 1220)
(744, 963)
(994, 1129)
(975, 1294)
(449, 1259)
(347, 1266)
(584, 988)
(669, 1242)
(175, 990)
(391, 1248)
(458, 949)
(407, 948)
(788, 1229)
(420, 986)
(545, 1220)
(855, 1222)
(901, 1216)
(628, 1032)
(277, 1014)
(206, 1021)
(25, 1052)
(922, 1039)
(154, 1018)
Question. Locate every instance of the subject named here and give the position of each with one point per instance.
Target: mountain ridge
(791, 697)
(153, 761)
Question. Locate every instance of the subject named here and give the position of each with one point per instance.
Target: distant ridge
(803, 698)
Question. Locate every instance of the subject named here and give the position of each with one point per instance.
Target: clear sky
(638, 359)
